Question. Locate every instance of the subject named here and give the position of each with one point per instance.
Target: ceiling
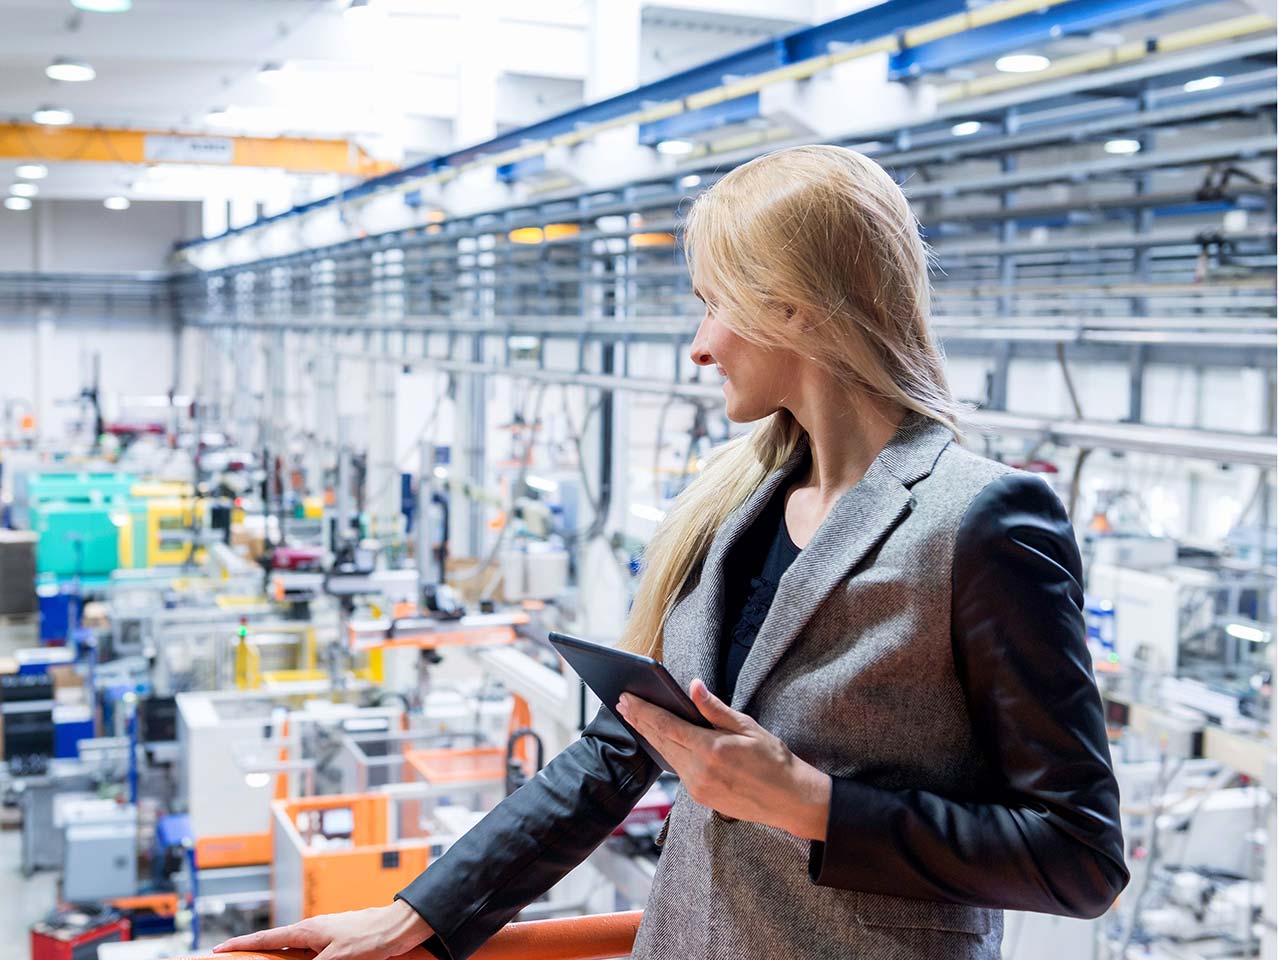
(414, 79)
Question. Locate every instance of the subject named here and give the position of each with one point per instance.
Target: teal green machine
(84, 520)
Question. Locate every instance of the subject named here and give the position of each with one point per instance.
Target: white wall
(137, 353)
(82, 236)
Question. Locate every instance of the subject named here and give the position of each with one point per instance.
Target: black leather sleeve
(532, 839)
(1048, 838)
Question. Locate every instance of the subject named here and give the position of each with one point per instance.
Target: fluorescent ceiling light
(116, 203)
(1204, 83)
(675, 148)
(1022, 63)
(542, 483)
(69, 71)
(17, 203)
(967, 128)
(1123, 146)
(32, 171)
(256, 781)
(692, 180)
(103, 6)
(53, 116)
(1243, 632)
(24, 189)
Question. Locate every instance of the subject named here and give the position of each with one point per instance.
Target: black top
(753, 570)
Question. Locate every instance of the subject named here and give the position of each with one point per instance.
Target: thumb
(719, 713)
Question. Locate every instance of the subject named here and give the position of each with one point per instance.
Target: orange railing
(600, 937)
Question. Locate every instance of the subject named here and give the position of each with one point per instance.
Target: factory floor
(24, 899)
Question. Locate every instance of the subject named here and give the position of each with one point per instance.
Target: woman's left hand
(738, 769)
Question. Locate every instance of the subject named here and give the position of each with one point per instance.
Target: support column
(477, 117)
(613, 48)
(382, 478)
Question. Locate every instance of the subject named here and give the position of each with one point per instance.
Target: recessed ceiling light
(116, 203)
(692, 180)
(1022, 63)
(103, 6)
(53, 116)
(1123, 146)
(967, 128)
(675, 148)
(24, 190)
(1204, 83)
(32, 171)
(70, 71)
(17, 203)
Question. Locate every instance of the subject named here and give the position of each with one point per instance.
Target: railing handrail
(598, 937)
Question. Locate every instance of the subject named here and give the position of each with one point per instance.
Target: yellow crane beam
(94, 145)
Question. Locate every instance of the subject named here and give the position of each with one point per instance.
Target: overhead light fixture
(357, 10)
(103, 6)
(692, 180)
(1022, 63)
(218, 116)
(70, 71)
(1204, 83)
(675, 148)
(53, 116)
(1122, 147)
(1243, 631)
(116, 203)
(32, 171)
(967, 128)
(542, 483)
(17, 203)
(646, 512)
(24, 189)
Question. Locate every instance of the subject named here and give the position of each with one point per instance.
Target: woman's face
(755, 377)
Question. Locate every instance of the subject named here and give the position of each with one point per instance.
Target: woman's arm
(532, 839)
(1050, 840)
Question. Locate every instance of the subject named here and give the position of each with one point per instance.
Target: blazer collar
(855, 524)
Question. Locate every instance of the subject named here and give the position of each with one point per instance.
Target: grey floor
(23, 900)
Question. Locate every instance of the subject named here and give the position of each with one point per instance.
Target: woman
(883, 628)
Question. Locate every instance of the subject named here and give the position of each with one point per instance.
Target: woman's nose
(699, 353)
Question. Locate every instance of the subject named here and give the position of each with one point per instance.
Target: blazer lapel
(860, 519)
(706, 603)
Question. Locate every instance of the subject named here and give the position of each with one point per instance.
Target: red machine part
(297, 558)
(652, 808)
(71, 935)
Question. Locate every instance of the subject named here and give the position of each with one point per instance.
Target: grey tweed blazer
(970, 773)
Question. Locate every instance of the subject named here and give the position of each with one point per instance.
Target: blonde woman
(884, 629)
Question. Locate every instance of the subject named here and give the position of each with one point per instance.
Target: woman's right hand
(378, 933)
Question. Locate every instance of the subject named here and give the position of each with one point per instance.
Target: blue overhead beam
(1028, 30)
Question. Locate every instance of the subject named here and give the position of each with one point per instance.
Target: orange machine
(345, 852)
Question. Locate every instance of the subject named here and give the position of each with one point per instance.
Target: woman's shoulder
(963, 481)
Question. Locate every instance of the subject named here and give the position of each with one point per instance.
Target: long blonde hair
(825, 232)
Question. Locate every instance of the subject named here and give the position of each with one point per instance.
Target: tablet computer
(610, 673)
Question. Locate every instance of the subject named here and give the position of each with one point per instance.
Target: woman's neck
(845, 436)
